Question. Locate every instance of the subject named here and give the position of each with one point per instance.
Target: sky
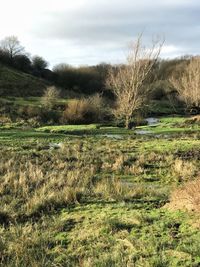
(87, 32)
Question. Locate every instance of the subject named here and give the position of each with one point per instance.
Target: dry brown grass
(195, 120)
(111, 188)
(184, 169)
(33, 185)
(26, 238)
(119, 163)
(187, 197)
(75, 111)
(44, 187)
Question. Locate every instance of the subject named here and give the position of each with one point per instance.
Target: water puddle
(55, 145)
(113, 136)
(152, 121)
(143, 132)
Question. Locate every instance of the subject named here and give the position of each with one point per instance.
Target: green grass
(17, 138)
(102, 222)
(172, 120)
(166, 125)
(30, 101)
(89, 129)
(26, 84)
(169, 130)
(130, 234)
(68, 128)
(170, 125)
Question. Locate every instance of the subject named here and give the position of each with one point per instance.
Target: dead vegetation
(57, 203)
(40, 183)
(187, 83)
(195, 120)
(85, 110)
(184, 169)
(186, 197)
(127, 81)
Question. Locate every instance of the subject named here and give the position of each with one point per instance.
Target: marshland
(99, 162)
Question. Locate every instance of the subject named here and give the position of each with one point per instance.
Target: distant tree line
(87, 79)
(13, 54)
(104, 92)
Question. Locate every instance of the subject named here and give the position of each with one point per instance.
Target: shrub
(84, 110)
(75, 111)
(21, 111)
(38, 115)
(4, 119)
(33, 111)
(50, 97)
(49, 116)
(158, 91)
(34, 122)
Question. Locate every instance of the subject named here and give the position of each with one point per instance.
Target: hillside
(17, 83)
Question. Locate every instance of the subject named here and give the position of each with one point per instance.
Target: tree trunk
(127, 123)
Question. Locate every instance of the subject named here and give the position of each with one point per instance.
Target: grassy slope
(30, 101)
(17, 83)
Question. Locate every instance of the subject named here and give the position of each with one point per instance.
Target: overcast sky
(80, 32)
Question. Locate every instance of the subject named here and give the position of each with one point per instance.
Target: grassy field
(164, 125)
(95, 196)
(30, 101)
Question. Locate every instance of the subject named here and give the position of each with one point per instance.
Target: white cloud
(169, 51)
(86, 31)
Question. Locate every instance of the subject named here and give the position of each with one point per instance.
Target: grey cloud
(109, 25)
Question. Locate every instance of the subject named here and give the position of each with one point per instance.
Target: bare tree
(12, 46)
(127, 81)
(187, 83)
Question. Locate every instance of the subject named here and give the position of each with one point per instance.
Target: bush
(38, 115)
(33, 111)
(88, 110)
(49, 116)
(34, 122)
(4, 119)
(50, 97)
(158, 93)
(75, 111)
